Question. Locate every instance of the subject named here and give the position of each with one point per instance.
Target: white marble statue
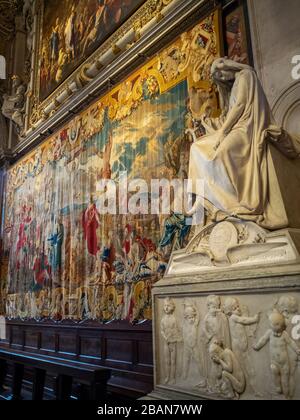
(249, 242)
(13, 106)
(251, 173)
(233, 157)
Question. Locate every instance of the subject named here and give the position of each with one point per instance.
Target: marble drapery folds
(234, 157)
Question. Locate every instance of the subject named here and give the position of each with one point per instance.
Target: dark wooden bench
(91, 377)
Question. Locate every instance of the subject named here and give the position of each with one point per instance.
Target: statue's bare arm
(263, 341)
(246, 320)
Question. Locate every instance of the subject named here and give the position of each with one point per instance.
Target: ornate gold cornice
(149, 10)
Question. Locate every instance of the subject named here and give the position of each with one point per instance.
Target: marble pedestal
(214, 331)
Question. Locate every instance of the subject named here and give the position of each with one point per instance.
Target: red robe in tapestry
(22, 237)
(127, 243)
(90, 225)
(41, 270)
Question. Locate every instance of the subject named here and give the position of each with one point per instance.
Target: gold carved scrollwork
(193, 54)
(116, 50)
(151, 9)
(82, 78)
(154, 8)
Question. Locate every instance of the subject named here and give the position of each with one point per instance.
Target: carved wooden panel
(124, 348)
(90, 347)
(48, 341)
(119, 351)
(67, 343)
(31, 340)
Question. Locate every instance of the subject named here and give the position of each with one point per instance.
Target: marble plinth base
(233, 244)
(208, 330)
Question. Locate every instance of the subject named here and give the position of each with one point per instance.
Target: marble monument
(225, 314)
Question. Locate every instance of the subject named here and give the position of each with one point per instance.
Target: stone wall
(275, 39)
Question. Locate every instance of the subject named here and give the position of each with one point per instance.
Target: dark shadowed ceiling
(8, 10)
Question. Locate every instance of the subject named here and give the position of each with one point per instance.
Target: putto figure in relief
(239, 336)
(190, 338)
(171, 335)
(279, 344)
(215, 322)
(288, 307)
(215, 328)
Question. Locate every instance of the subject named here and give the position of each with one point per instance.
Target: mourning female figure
(236, 156)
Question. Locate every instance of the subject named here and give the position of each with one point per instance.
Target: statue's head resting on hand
(224, 70)
(223, 73)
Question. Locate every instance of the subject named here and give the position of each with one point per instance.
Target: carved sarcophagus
(228, 334)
